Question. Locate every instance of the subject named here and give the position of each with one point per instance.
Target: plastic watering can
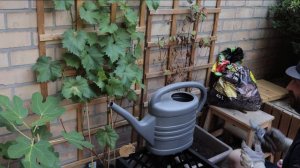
(169, 126)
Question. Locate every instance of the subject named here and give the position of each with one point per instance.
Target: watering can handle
(156, 97)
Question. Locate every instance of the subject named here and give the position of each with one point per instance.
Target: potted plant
(286, 18)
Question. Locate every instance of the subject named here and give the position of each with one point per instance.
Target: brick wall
(242, 23)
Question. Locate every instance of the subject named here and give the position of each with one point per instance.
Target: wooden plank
(285, 121)
(271, 86)
(186, 69)
(213, 43)
(79, 22)
(267, 108)
(143, 12)
(270, 91)
(41, 45)
(171, 48)
(182, 11)
(277, 114)
(197, 40)
(58, 36)
(193, 47)
(295, 125)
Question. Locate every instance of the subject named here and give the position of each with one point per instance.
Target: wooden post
(213, 43)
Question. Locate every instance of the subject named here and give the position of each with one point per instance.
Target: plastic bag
(234, 85)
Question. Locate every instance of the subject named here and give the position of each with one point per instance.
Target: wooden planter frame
(145, 16)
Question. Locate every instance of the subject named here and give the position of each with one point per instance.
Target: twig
(20, 131)
(62, 124)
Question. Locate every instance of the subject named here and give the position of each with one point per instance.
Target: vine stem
(88, 124)
(20, 132)
(62, 124)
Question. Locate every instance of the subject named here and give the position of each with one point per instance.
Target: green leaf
(114, 87)
(92, 38)
(131, 16)
(152, 4)
(48, 110)
(74, 41)
(77, 139)
(47, 70)
(36, 155)
(13, 112)
(4, 147)
(5, 123)
(77, 89)
(102, 2)
(88, 12)
(101, 78)
(126, 72)
(113, 50)
(131, 96)
(42, 132)
(72, 60)
(93, 59)
(106, 26)
(138, 51)
(122, 38)
(107, 137)
(63, 4)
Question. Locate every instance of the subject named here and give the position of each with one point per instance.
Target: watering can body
(169, 126)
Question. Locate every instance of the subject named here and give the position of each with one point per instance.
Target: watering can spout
(145, 127)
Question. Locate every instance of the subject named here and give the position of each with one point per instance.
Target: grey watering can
(169, 126)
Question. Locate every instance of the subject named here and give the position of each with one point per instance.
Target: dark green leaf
(131, 16)
(138, 51)
(152, 4)
(74, 41)
(42, 132)
(77, 139)
(72, 60)
(36, 155)
(107, 137)
(88, 12)
(13, 112)
(47, 70)
(92, 38)
(122, 38)
(48, 110)
(108, 27)
(93, 59)
(102, 2)
(114, 87)
(63, 4)
(101, 78)
(131, 95)
(4, 148)
(113, 50)
(77, 89)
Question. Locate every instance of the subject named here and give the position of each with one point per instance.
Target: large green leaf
(13, 112)
(113, 50)
(105, 25)
(4, 147)
(77, 89)
(63, 4)
(115, 87)
(92, 59)
(37, 155)
(88, 12)
(72, 60)
(152, 4)
(122, 39)
(107, 137)
(74, 41)
(47, 70)
(48, 110)
(131, 16)
(77, 139)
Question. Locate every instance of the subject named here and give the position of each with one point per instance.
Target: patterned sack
(234, 85)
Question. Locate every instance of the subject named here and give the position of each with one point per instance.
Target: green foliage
(47, 70)
(35, 154)
(286, 17)
(107, 137)
(152, 4)
(76, 139)
(74, 41)
(77, 89)
(63, 4)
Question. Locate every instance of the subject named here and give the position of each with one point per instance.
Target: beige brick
(15, 39)
(257, 34)
(49, 19)
(11, 4)
(254, 2)
(246, 45)
(3, 60)
(224, 37)
(232, 25)
(244, 13)
(235, 3)
(6, 92)
(260, 12)
(227, 13)
(269, 2)
(62, 18)
(24, 57)
(250, 24)
(240, 36)
(21, 20)
(265, 23)
(25, 92)
(160, 29)
(2, 23)
(19, 75)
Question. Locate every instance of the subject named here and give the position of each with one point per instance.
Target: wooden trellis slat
(182, 11)
(213, 43)
(41, 45)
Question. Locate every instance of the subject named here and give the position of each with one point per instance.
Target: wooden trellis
(145, 26)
